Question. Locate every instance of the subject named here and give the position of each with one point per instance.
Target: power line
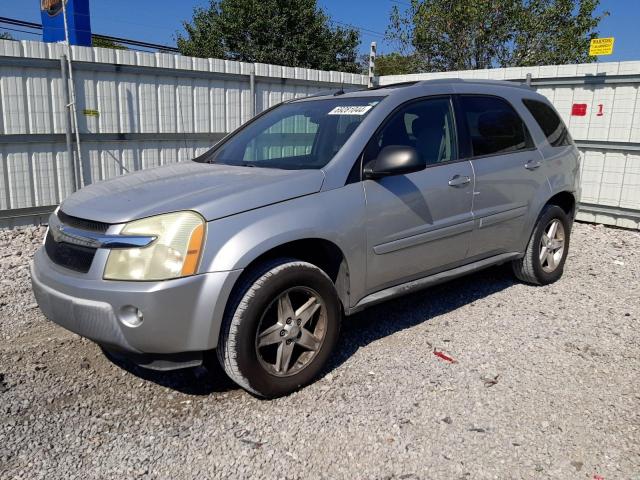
(20, 23)
(119, 20)
(362, 29)
(138, 43)
(18, 30)
(150, 45)
(126, 41)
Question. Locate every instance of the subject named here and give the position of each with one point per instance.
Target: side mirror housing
(394, 160)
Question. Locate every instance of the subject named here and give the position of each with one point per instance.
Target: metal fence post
(252, 90)
(67, 122)
(84, 169)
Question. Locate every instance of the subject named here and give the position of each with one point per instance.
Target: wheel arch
(322, 253)
(565, 200)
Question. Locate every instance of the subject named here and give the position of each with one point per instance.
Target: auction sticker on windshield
(351, 110)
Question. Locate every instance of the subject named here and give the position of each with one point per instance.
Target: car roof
(417, 87)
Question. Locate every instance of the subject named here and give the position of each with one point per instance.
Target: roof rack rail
(481, 81)
(507, 83)
(332, 92)
(395, 85)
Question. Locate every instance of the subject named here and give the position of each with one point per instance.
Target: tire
(542, 271)
(256, 315)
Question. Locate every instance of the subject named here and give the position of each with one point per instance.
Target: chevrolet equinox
(316, 208)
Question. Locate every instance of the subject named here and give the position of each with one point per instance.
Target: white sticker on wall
(351, 110)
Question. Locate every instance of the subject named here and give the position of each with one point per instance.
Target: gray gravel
(545, 384)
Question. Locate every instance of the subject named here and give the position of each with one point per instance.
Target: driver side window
(426, 125)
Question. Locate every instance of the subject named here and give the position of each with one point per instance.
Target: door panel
(418, 223)
(503, 194)
(507, 169)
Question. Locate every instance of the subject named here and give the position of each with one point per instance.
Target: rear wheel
(546, 253)
(280, 329)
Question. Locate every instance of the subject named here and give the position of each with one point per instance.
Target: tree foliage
(105, 43)
(395, 64)
(6, 36)
(472, 34)
(293, 33)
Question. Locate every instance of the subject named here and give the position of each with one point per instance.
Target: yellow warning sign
(601, 46)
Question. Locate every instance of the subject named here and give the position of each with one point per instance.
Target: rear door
(418, 223)
(508, 173)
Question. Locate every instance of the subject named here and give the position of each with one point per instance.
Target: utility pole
(72, 104)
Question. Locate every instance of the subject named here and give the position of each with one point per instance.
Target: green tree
(472, 34)
(395, 64)
(294, 33)
(105, 43)
(5, 36)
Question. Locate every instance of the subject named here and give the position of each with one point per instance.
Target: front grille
(82, 224)
(73, 257)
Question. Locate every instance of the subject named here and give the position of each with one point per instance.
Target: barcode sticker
(351, 110)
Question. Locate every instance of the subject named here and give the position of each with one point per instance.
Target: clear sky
(158, 20)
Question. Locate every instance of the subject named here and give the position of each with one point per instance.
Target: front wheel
(280, 329)
(546, 253)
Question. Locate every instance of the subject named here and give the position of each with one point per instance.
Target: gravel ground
(545, 384)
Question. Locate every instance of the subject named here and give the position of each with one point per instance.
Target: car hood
(214, 191)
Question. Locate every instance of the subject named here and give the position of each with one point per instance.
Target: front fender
(336, 215)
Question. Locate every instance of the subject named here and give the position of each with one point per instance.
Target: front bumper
(181, 315)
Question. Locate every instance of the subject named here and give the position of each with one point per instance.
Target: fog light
(131, 316)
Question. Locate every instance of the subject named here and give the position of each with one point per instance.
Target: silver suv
(315, 209)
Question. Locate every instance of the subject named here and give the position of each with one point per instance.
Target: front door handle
(459, 181)
(533, 164)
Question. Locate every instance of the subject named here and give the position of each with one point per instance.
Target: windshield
(294, 136)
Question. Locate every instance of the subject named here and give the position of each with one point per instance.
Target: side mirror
(394, 160)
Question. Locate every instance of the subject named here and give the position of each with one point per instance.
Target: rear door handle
(533, 164)
(459, 181)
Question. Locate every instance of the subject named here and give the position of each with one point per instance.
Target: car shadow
(191, 381)
(410, 310)
(358, 330)
(407, 191)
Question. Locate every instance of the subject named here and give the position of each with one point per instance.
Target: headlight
(174, 253)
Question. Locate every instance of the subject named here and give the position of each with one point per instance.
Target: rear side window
(493, 126)
(550, 123)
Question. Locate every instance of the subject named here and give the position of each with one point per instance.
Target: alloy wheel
(291, 331)
(552, 246)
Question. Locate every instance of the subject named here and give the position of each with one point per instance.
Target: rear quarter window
(550, 123)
